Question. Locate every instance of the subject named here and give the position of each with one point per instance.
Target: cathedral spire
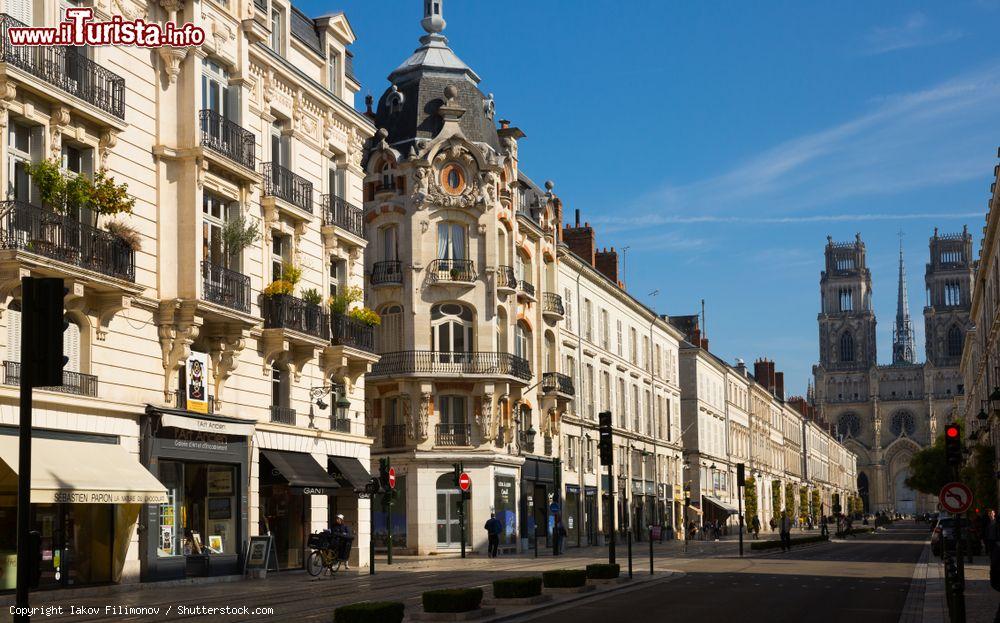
(902, 331)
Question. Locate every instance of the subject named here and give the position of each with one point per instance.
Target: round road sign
(392, 477)
(955, 497)
(464, 482)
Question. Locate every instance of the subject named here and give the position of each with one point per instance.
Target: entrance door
(905, 498)
(590, 517)
(449, 528)
(541, 513)
(76, 543)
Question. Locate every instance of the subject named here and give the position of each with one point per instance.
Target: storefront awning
(725, 507)
(352, 470)
(301, 471)
(65, 470)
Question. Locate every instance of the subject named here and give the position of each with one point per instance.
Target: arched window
(451, 331)
(849, 425)
(386, 175)
(522, 341)
(954, 341)
(502, 331)
(846, 347)
(902, 422)
(390, 331)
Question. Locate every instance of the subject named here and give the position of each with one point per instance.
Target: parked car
(943, 536)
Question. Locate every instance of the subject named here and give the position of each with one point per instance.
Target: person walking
(755, 527)
(558, 535)
(493, 529)
(786, 532)
(823, 529)
(988, 532)
(774, 524)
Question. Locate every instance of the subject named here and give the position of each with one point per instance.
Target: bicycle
(329, 553)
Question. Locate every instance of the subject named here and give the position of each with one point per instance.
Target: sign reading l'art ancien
(197, 382)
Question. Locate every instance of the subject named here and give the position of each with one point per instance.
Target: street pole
(389, 495)
(739, 502)
(628, 526)
(687, 509)
(28, 344)
(461, 510)
(651, 550)
(374, 484)
(611, 507)
(959, 583)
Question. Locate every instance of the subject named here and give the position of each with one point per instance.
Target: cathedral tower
(846, 320)
(903, 351)
(949, 291)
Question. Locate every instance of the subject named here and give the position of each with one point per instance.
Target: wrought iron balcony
(337, 211)
(505, 278)
(287, 312)
(225, 287)
(394, 436)
(346, 331)
(526, 288)
(282, 415)
(452, 271)
(452, 435)
(282, 183)
(553, 304)
(445, 363)
(66, 69)
(340, 424)
(72, 382)
(44, 232)
(387, 272)
(180, 400)
(228, 138)
(557, 382)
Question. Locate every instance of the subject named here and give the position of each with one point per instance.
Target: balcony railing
(505, 278)
(394, 436)
(287, 312)
(281, 183)
(452, 435)
(386, 185)
(66, 69)
(337, 211)
(38, 230)
(180, 400)
(73, 382)
(340, 424)
(282, 415)
(431, 362)
(452, 271)
(557, 382)
(225, 287)
(346, 331)
(553, 304)
(387, 272)
(526, 288)
(228, 138)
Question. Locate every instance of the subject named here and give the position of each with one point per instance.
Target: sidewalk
(981, 601)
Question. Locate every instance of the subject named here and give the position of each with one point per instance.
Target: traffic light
(458, 472)
(604, 445)
(42, 327)
(741, 475)
(383, 473)
(953, 444)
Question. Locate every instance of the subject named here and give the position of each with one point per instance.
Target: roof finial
(433, 21)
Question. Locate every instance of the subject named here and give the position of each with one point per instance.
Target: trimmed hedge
(844, 533)
(802, 540)
(603, 571)
(452, 600)
(512, 588)
(370, 612)
(564, 578)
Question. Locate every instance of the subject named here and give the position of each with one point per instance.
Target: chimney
(763, 371)
(580, 240)
(779, 385)
(606, 262)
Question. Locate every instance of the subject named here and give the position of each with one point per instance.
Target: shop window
(199, 517)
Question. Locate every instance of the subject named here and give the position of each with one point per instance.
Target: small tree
(803, 503)
(750, 495)
(238, 233)
(814, 504)
(776, 500)
(929, 469)
(790, 499)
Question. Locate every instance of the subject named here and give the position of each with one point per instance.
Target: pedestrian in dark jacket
(558, 534)
(786, 532)
(493, 529)
(755, 527)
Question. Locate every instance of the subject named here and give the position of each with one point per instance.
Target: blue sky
(722, 142)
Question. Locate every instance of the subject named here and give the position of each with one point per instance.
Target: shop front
(537, 493)
(571, 515)
(86, 494)
(353, 477)
(288, 480)
(202, 460)
(505, 509)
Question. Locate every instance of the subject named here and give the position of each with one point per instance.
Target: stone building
(885, 413)
(226, 412)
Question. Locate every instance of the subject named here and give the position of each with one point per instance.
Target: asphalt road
(863, 579)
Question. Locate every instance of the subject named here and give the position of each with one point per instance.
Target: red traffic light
(951, 430)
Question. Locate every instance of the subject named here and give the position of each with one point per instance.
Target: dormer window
(277, 30)
(334, 70)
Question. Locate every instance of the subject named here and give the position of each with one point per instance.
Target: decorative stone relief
(107, 142)
(57, 120)
(484, 418)
(178, 328)
(224, 350)
(421, 422)
(8, 90)
(172, 58)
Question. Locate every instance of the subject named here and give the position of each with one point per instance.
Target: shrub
(517, 587)
(603, 571)
(107, 197)
(126, 232)
(452, 600)
(370, 612)
(366, 316)
(291, 273)
(238, 234)
(312, 296)
(564, 578)
(344, 298)
(279, 287)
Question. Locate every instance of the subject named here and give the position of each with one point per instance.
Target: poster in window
(219, 508)
(220, 480)
(197, 382)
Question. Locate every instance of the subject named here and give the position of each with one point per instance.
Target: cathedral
(885, 413)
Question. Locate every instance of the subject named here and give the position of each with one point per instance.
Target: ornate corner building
(884, 413)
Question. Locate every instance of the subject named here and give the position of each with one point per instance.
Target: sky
(721, 143)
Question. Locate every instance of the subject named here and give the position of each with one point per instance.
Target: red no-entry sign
(392, 477)
(464, 482)
(955, 497)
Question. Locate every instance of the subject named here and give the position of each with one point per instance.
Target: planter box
(471, 615)
(586, 588)
(518, 601)
(606, 582)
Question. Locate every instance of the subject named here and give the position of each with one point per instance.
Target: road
(862, 579)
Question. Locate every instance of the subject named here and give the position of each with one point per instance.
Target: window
(451, 331)
(390, 330)
(451, 241)
(280, 145)
(622, 404)
(280, 394)
(22, 11)
(336, 180)
(452, 413)
(605, 329)
(277, 30)
(522, 268)
(636, 413)
(568, 300)
(333, 71)
(571, 452)
(645, 352)
(588, 320)
(605, 391)
(846, 347)
(952, 294)
(281, 252)
(389, 242)
(633, 346)
(216, 95)
(78, 160)
(71, 346)
(522, 341)
(338, 274)
(589, 382)
(215, 211)
(846, 299)
(23, 144)
(954, 341)
(620, 338)
(453, 179)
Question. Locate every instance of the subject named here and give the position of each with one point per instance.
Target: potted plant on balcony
(340, 302)
(238, 234)
(365, 316)
(48, 178)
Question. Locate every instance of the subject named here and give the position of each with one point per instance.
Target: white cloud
(914, 32)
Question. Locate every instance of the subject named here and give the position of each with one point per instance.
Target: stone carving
(177, 328)
(489, 107)
(172, 58)
(421, 422)
(58, 119)
(485, 418)
(107, 142)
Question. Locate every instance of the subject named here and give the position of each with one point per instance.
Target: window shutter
(71, 347)
(21, 10)
(13, 335)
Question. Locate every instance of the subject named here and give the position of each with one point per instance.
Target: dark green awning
(302, 471)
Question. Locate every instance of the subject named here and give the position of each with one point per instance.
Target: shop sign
(194, 440)
(97, 497)
(238, 429)
(314, 491)
(197, 382)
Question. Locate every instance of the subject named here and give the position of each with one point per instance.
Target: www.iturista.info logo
(79, 29)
